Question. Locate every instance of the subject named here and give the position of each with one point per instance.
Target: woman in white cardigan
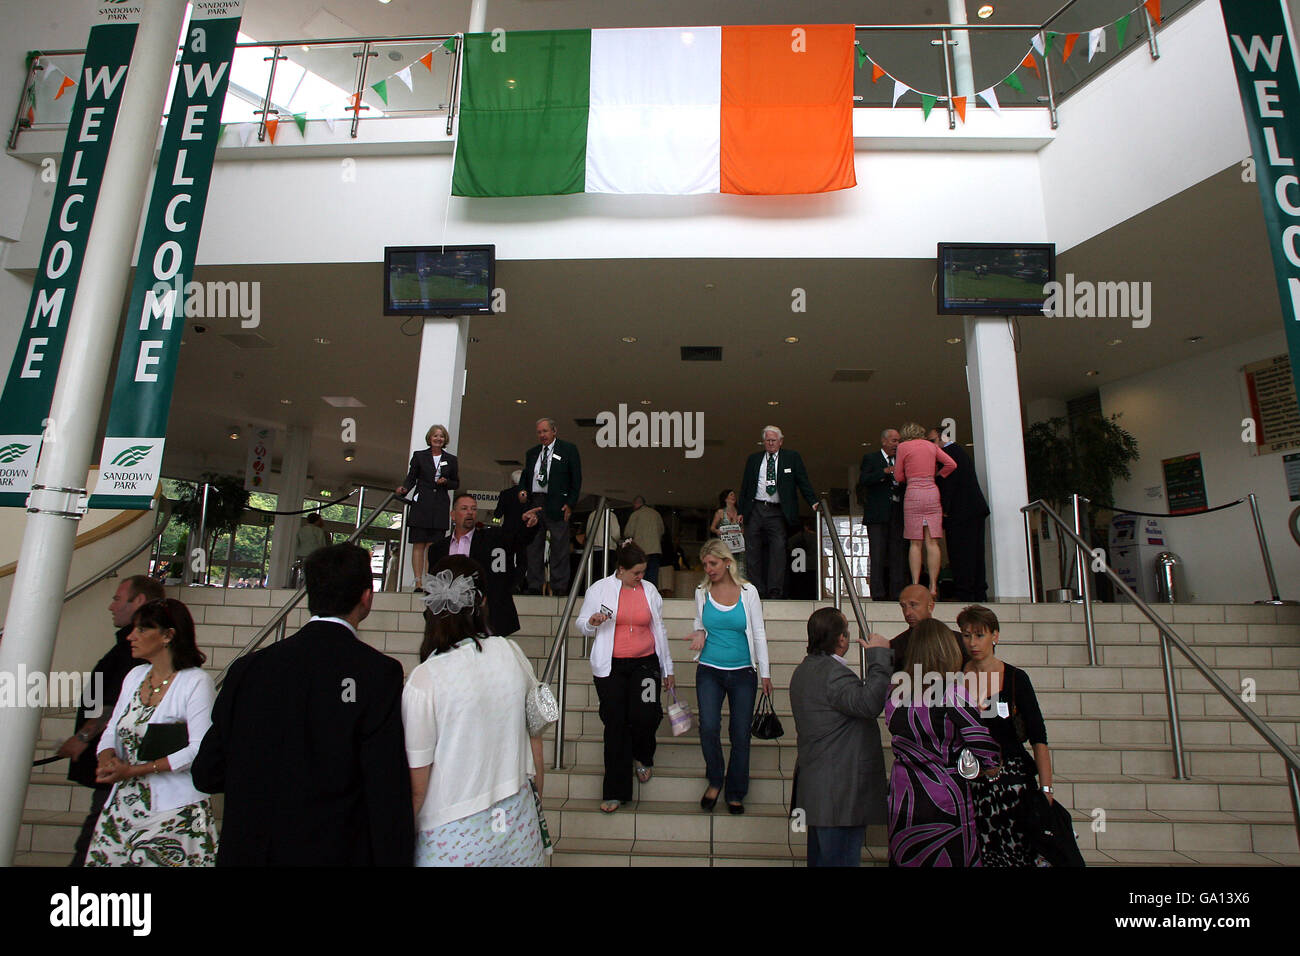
(732, 641)
(154, 815)
(629, 654)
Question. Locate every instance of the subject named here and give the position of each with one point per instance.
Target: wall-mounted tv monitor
(439, 280)
(985, 278)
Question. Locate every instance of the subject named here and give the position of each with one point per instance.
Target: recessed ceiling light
(1195, 338)
(709, 286)
(791, 339)
(326, 493)
(1114, 341)
(286, 401)
(474, 340)
(646, 401)
(320, 341)
(521, 401)
(774, 403)
(402, 401)
(629, 339)
(983, 12)
(955, 340)
(1092, 373)
(233, 434)
(349, 454)
(900, 403)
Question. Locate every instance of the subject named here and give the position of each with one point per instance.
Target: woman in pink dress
(915, 463)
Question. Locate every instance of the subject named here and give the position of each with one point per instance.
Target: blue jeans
(835, 846)
(740, 688)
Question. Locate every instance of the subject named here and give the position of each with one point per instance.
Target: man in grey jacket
(840, 774)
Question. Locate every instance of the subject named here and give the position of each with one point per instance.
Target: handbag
(163, 740)
(766, 725)
(540, 709)
(679, 716)
(1018, 722)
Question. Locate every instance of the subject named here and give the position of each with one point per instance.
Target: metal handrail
(557, 662)
(278, 618)
(1169, 637)
(164, 512)
(842, 568)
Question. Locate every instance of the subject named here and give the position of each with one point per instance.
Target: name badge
(556, 458)
(1003, 709)
(787, 471)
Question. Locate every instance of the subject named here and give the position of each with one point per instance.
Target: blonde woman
(732, 645)
(916, 463)
(433, 473)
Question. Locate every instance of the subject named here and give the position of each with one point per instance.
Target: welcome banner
(130, 463)
(25, 403)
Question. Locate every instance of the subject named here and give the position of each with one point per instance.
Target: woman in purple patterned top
(931, 816)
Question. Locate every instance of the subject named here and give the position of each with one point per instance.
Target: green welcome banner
(130, 463)
(25, 403)
(1262, 43)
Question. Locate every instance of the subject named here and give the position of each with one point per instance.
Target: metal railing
(279, 618)
(1169, 639)
(557, 662)
(842, 570)
(161, 520)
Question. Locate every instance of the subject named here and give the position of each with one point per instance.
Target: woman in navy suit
(433, 473)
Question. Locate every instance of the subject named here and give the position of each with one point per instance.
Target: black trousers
(560, 569)
(97, 800)
(888, 559)
(630, 711)
(765, 554)
(966, 555)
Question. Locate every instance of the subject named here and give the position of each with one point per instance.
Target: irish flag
(762, 110)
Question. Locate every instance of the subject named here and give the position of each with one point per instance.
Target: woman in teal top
(732, 642)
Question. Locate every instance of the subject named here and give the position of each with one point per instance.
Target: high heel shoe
(707, 802)
(735, 808)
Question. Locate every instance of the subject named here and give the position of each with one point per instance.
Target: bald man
(918, 606)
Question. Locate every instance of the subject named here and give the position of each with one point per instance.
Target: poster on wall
(1291, 466)
(257, 468)
(1271, 393)
(1185, 484)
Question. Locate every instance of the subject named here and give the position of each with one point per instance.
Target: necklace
(155, 688)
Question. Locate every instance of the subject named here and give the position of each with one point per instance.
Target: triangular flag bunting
(1030, 62)
(1153, 8)
(1096, 41)
(354, 102)
(1037, 41)
(1013, 81)
(1048, 46)
(449, 44)
(221, 132)
(991, 98)
(301, 120)
(67, 84)
(330, 121)
(1121, 28)
(959, 104)
(899, 90)
(405, 76)
(1070, 40)
(877, 71)
(862, 55)
(381, 89)
(927, 103)
(246, 131)
(427, 61)
(271, 126)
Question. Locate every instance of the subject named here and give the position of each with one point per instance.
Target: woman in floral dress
(154, 815)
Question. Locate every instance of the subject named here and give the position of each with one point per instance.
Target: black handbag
(766, 725)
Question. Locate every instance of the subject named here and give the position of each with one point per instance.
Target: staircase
(1107, 725)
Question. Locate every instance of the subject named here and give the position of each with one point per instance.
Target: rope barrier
(1158, 514)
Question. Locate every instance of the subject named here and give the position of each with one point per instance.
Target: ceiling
(559, 346)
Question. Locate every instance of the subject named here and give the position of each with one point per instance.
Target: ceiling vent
(853, 375)
(585, 422)
(343, 401)
(701, 353)
(247, 340)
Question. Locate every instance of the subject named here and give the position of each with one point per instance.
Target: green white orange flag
(764, 110)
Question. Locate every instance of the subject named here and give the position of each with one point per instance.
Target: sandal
(644, 773)
(609, 806)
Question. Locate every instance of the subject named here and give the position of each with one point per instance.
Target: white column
(998, 433)
(292, 489)
(964, 79)
(46, 553)
(477, 16)
(439, 389)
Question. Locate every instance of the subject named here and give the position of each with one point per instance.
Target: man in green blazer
(769, 503)
(552, 480)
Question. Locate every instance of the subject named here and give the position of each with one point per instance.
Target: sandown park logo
(130, 457)
(12, 452)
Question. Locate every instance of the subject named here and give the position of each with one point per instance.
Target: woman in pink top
(915, 463)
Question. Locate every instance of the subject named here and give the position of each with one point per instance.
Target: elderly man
(646, 529)
(882, 512)
(964, 512)
(551, 480)
(769, 505)
(918, 606)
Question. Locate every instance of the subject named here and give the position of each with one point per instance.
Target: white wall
(1198, 405)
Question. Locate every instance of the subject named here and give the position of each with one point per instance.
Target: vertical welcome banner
(130, 462)
(25, 403)
(1262, 43)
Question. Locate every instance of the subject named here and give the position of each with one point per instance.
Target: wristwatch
(1046, 789)
(83, 736)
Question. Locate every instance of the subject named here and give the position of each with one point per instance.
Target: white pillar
(477, 16)
(42, 574)
(293, 488)
(964, 78)
(439, 389)
(998, 433)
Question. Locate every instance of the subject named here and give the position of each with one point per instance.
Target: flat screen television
(985, 278)
(439, 280)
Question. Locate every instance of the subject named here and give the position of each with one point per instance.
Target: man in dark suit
(306, 738)
(509, 513)
(882, 512)
(490, 547)
(964, 513)
(769, 504)
(552, 480)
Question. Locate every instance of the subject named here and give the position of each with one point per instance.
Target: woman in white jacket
(154, 815)
(628, 656)
(732, 641)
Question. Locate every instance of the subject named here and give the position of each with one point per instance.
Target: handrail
(1168, 637)
(279, 616)
(164, 512)
(842, 568)
(557, 662)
